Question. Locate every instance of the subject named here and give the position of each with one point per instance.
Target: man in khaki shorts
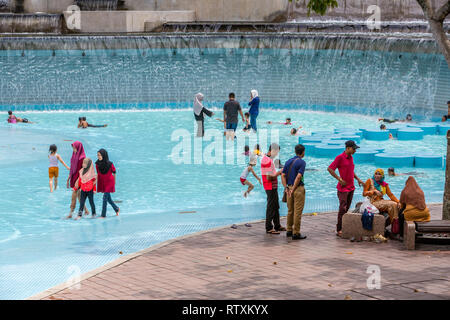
(292, 179)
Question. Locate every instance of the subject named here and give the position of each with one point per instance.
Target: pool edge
(62, 286)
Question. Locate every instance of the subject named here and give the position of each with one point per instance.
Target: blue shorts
(231, 126)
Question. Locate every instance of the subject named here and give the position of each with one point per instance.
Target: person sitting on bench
(414, 207)
(375, 188)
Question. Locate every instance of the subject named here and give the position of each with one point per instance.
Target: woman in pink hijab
(87, 183)
(76, 162)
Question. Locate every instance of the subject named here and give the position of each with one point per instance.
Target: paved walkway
(245, 263)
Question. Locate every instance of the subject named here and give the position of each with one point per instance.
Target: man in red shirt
(345, 187)
(270, 183)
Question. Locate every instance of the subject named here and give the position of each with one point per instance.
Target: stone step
(124, 21)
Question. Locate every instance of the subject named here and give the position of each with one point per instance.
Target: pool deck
(246, 263)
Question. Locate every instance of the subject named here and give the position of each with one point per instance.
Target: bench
(352, 226)
(434, 229)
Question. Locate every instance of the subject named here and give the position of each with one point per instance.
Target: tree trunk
(436, 22)
(437, 28)
(446, 205)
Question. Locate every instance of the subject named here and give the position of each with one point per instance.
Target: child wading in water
(86, 181)
(248, 126)
(106, 180)
(53, 170)
(244, 175)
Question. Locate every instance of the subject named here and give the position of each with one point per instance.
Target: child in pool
(383, 128)
(246, 151)
(245, 173)
(248, 126)
(278, 165)
(53, 170)
(257, 151)
(224, 126)
(87, 181)
(296, 132)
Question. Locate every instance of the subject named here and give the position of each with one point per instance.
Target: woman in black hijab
(106, 180)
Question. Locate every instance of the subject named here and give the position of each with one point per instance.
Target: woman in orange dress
(375, 188)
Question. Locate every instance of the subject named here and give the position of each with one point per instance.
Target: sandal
(339, 234)
(281, 229)
(273, 231)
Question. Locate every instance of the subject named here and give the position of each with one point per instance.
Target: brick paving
(246, 263)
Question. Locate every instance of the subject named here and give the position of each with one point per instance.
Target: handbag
(395, 228)
(284, 199)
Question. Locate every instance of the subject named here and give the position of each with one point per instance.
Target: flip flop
(234, 226)
(273, 232)
(282, 229)
(248, 225)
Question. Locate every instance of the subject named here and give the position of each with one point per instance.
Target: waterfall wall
(142, 72)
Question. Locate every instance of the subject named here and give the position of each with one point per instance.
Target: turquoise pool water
(143, 96)
(39, 249)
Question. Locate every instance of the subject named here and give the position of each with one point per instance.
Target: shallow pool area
(159, 199)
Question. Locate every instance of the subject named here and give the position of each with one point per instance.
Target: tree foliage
(320, 6)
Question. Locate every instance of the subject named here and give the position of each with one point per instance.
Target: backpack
(367, 220)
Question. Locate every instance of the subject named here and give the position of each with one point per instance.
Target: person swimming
(296, 131)
(82, 123)
(392, 173)
(287, 123)
(13, 119)
(407, 119)
(383, 128)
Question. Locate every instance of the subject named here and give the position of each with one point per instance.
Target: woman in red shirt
(106, 180)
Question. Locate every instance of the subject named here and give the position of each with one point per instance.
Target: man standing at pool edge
(230, 113)
(346, 186)
(270, 184)
(292, 179)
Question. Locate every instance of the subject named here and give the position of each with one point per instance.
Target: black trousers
(272, 210)
(84, 195)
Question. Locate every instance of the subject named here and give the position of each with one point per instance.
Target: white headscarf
(198, 106)
(254, 93)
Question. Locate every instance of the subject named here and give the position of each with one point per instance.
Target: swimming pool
(143, 96)
(38, 249)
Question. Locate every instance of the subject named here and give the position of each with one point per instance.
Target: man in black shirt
(230, 113)
(447, 116)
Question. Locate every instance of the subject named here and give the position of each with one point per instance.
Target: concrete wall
(218, 10)
(50, 6)
(126, 21)
(357, 10)
(256, 10)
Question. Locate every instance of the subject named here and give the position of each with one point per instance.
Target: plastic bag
(366, 205)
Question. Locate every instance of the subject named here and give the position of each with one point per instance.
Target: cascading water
(301, 26)
(30, 23)
(94, 5)
(167, 71)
